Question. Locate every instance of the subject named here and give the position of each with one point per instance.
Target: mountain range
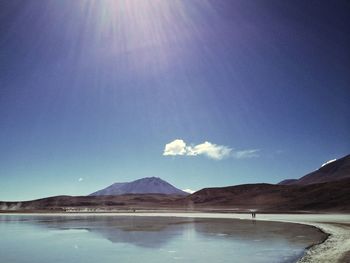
(324, 190)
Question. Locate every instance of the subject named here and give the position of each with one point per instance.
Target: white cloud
(80, 179)
(330, 161)
(247, 154)
(176, 147)
(213, 151)
(188, 190)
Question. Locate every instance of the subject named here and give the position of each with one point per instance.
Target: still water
(49, 238)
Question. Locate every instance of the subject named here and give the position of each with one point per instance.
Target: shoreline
(335, 247)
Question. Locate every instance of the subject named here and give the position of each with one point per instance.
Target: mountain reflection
(145, 232)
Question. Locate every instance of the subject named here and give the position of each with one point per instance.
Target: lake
(109, 238)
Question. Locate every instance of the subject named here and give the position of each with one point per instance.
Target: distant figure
(253, 215)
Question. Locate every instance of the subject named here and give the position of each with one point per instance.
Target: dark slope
(334, 171)
(331, 196)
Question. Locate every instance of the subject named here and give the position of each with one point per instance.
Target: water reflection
(155, 232)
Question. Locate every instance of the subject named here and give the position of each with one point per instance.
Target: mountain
(331, 171)
(148, 185)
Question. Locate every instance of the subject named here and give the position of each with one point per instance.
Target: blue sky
(94, 90)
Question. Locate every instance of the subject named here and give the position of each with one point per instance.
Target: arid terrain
(324, 190)
(323, 197)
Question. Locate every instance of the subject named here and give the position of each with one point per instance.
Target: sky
(199, 93)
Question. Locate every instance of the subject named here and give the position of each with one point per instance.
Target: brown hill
(331, 196)
(334, 171)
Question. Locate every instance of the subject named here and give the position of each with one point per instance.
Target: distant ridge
(288, 181)
(148, 185)
(330, 172)
(330, 196)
